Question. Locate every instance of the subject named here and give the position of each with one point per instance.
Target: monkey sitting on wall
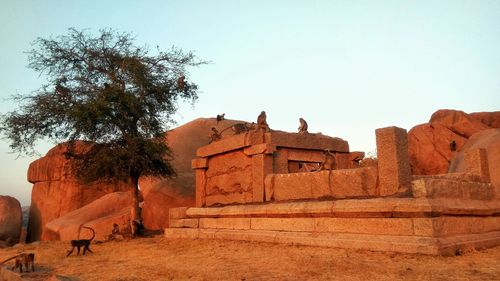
(85, 243)
(330, 162)
(23, 258)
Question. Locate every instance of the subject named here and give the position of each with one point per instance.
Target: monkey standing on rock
(85, 243)
(23, 258)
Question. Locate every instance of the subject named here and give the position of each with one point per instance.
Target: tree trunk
(135, 214)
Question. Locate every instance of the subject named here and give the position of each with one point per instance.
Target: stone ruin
(268, 186)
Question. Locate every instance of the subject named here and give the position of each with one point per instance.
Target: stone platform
(408, 225)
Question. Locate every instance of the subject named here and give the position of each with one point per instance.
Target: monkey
(85, 243)
(23, 258)
(116, 229)
(181, 83)
(303, 126)
(215, 135)
(262, 123)
(330, 161)
(220, 117)
(453, 145)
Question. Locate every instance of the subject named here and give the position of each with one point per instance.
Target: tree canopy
(105, 90)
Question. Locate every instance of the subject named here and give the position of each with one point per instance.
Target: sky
(346, 67)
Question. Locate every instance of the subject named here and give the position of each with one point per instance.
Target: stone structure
(254, 166)
(393, 161)
(255, 187)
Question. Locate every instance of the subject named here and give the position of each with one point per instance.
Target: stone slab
(263, 148)
(375, 207)
(387, 243)
(349, 183)
(225, 223)
(451, 188)
(199, 163)
(177, 213)
(223, 145)
(180, 223)
(307, 141)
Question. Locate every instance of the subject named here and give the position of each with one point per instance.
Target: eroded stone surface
(348, 183)
(429, 148)
(394, 171)
(229, 179)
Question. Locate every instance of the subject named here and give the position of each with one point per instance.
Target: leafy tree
(105, 90)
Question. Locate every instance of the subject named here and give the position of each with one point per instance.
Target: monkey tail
(93, 232)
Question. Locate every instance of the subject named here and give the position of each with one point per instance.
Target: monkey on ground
(85, 243)
(23, 258)
(303, 126)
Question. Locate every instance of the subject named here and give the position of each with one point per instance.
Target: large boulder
(10, 220)
(429, 148)
(56, 190)
(100, 215)
(430, 144)
(457, 121)
(491, 119)
(160, 194)
(489, 140)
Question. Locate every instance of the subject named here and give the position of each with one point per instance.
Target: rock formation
(100, 215)
(430, 144)
(489, 140)
(10, 220)
(57, 192)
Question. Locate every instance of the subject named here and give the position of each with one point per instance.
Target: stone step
(372, 242)
(364, 208)
(424, 227)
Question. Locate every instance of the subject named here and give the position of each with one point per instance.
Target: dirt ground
(160, 259)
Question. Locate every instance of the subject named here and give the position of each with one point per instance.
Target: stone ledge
(451, 188)
(388, 243)
(364, 208)
(424, 227)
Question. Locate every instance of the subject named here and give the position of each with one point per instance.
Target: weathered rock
(489, 140)
(157, 203)
(100, 215)
(10, 220)
(56, 191)
(160, 194)
(429, 148)
(491, 119)
(458, 122)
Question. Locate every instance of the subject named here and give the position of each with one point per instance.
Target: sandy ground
(161, 259)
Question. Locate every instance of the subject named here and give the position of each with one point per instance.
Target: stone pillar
(262, 165)
(281, 161)
(393, 162)
(200, 166)
(476, 163)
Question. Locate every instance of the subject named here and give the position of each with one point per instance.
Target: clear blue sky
(347, 67)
